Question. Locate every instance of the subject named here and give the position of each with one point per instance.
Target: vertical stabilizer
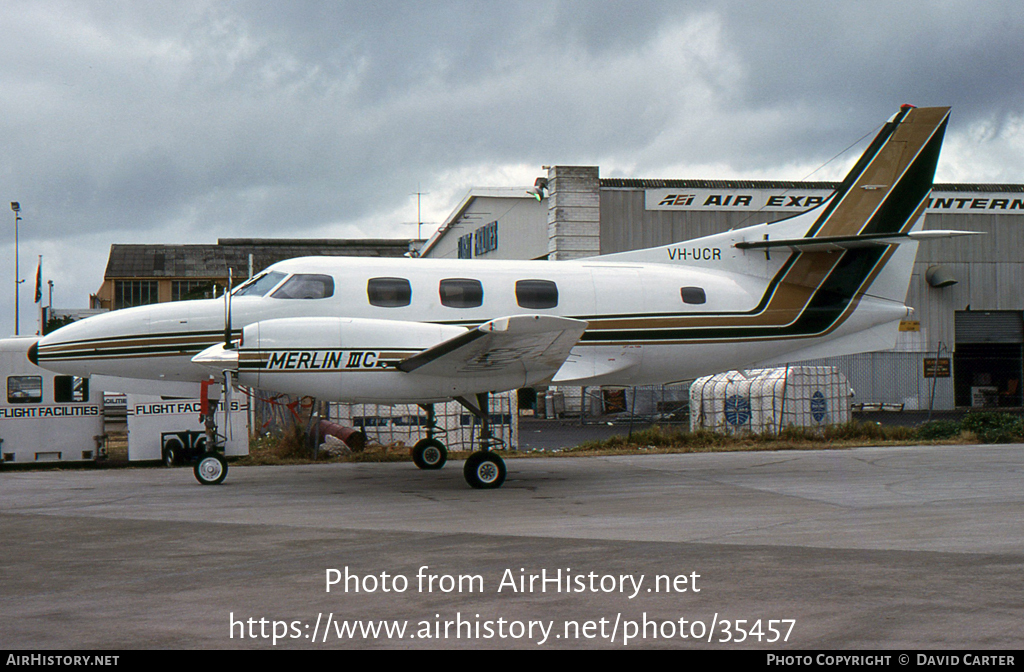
(884, 194)
(887, 189)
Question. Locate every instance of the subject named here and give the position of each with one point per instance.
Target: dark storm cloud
(851, 60)
(188, 121)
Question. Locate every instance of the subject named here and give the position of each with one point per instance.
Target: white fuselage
(643, 327)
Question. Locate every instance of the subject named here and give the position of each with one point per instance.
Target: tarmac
(894, 548)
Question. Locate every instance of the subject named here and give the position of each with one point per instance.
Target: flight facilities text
(512, 581)
(48, 411)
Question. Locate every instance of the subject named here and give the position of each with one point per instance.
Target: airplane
(828, 281)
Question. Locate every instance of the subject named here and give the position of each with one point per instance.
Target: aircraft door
(607, 355)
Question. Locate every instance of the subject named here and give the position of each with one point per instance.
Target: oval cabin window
(536, 294)
(389, 292)
(461, 293)
(693, 295)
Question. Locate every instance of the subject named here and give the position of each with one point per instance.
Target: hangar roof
(213, 261)
(639, 183)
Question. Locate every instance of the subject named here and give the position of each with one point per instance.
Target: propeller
(229, 356)
(227, 312)
(228, 387)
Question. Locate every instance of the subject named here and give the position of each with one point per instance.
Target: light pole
(16, 207)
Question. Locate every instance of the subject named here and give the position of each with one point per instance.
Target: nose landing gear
(211, 468)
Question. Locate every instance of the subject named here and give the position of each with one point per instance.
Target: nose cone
(74, 348)
(153, 342)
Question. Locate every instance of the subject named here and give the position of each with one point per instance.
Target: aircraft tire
(211, 468)
(170, 456)
(429, 454)
(484, 470)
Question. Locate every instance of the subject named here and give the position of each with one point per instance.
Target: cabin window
(260, 285)
(536, 294)
(305, 286)
(389, 292)
(461, 293)
(693, 295)
(70, 389)
(24, 389)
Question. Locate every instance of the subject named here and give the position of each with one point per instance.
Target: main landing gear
(429, 453)
(483, 470)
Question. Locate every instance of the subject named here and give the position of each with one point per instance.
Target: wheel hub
(487, 472)
(210, 468)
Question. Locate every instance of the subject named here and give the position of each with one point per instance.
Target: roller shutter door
(1002, 326)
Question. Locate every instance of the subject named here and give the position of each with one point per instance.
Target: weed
(937, 430)
(994, 427)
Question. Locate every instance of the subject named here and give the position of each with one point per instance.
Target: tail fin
(887, 189)
(878, 202)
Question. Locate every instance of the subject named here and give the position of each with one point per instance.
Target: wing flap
(532, 345)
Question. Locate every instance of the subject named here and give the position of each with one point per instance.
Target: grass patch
(974, 428)
(849, 435)
(994, 427)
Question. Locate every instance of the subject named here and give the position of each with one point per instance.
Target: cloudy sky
(186, 121)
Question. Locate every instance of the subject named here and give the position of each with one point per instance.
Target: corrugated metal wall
(626, 225)
(989, 269)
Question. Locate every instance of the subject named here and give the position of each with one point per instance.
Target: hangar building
(137, 275)
(961, 348)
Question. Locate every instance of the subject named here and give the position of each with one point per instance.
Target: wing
(533, 346)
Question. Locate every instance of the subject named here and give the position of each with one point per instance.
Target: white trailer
(46, 417)
(171, 429)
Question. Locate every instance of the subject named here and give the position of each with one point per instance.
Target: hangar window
(536, 294)
(306, 286)
(187, 290)
(389, 292)
(461, 293)
(70, 389)
(693, 295)
(128, 293)
(24, 389)
(260, 285)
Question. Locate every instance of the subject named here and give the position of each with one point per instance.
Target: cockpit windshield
(306, 286)
(260, 284)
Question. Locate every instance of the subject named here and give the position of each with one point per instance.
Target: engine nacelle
(341, 359)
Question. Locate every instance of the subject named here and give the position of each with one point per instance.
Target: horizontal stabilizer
(827, 243)
(535, 345)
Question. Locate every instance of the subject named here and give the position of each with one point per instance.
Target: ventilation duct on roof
(939, 276)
